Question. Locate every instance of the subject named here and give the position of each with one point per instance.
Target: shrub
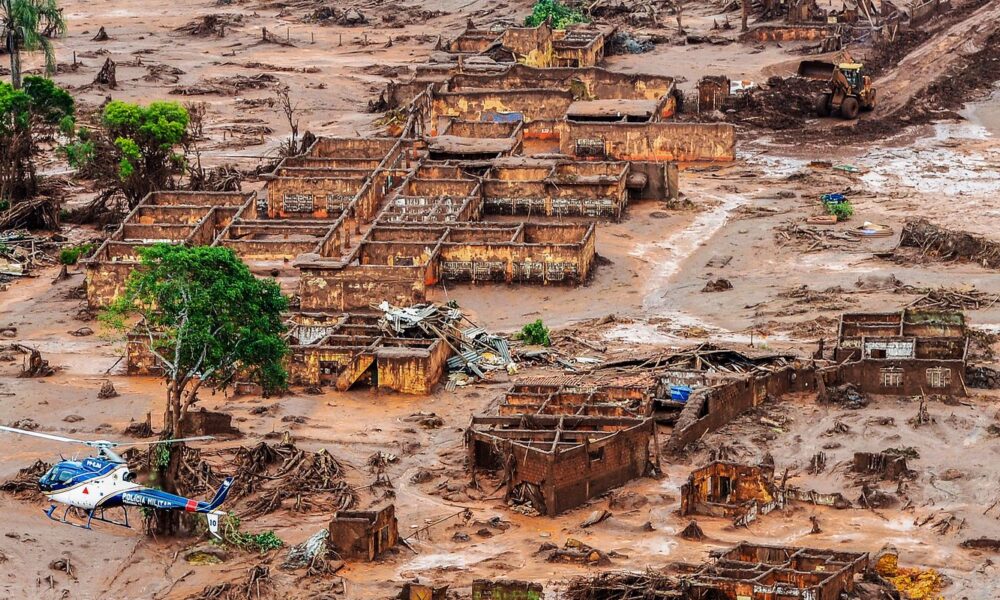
(536, 334)
(71, 255)
(561, 15)
(252, 542)
(841, 210)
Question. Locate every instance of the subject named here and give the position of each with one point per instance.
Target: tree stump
(107, 390)
(106, 76)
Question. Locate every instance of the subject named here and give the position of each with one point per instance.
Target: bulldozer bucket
(816, 69)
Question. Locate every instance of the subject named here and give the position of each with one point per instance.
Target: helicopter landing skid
(95, 514)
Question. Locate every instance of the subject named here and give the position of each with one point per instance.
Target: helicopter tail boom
(220, 497)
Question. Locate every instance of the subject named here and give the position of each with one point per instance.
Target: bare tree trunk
(167, 521)
(746, 10)
(15, 60)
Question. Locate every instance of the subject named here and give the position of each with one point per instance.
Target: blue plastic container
(680, 393)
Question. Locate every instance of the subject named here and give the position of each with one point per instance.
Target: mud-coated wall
(106, 280)
(530, 104)
(593, 469)
(779, 33)
(749, 482)
(593, 83)
(411, 371)
(711, 408)
(682, 142)
(356, 287)
(310, 198)
(914, 379)
(364, 534)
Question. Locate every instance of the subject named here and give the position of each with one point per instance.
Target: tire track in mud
(670, 254)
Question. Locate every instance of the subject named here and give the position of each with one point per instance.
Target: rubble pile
(847, 395)
(783, 103)
(476, 351)
(624, 586)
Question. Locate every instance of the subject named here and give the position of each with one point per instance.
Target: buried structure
(758, 572)
(364, 534)
(555, 463)
(911, 352)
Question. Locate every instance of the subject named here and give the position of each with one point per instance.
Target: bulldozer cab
(852, 73)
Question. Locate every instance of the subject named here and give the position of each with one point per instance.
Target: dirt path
(936, 59)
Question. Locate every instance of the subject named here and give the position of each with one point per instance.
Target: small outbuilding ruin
(364, 534)
(555, 463)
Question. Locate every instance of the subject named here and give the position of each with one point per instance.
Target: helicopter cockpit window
(62, 475)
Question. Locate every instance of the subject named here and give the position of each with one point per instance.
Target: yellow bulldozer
(851, 91)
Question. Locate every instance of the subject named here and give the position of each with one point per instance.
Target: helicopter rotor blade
(46, 436)
(170, 441)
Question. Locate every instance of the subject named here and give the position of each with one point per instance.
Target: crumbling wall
(596, 460)
(106, 280)
(533, 45)
(578, 48)
(364, 534)
(580, 474)
(710, 408)
(713, 93)
(886, 466)
(683, 142)
(306, 364)
(204, 422)
(747, 483)
(139, 360)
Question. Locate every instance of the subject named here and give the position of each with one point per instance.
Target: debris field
(628, 308)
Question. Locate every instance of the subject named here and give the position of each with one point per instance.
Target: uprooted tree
(208, 321)
(40, 109)
(135, 150)
(25, 25)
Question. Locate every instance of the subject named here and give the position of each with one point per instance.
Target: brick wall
(711, 408)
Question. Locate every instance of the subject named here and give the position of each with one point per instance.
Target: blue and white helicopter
(100, 482)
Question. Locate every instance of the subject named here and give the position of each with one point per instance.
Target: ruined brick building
(556, 462)
(910, 352)
(516, 122)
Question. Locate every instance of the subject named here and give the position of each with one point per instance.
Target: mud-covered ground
(740, 225)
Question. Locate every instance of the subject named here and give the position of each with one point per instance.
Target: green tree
(25, 25)
(138, 150)
(40, 108)
(208, 320)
